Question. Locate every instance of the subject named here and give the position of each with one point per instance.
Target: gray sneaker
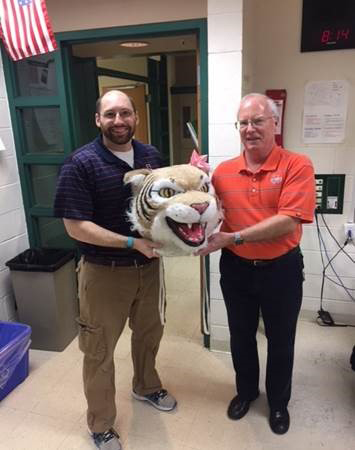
(161, 400)
(109, 440)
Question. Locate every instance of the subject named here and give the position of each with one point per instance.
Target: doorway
(161, 77)
(164, 88)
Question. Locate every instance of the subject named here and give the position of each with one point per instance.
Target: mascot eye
(205, 188)
(166, 192)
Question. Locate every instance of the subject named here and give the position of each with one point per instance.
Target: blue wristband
(130, 242)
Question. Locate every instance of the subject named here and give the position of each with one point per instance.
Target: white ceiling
(157, 45)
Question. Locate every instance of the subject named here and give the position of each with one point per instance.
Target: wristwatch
(238, 239)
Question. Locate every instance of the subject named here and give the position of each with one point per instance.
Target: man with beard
(119, 275)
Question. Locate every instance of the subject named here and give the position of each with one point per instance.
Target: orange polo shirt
(284, 184)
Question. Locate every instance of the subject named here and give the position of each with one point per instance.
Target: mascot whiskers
(174, 206)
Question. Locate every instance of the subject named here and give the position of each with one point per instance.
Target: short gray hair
(269, 101)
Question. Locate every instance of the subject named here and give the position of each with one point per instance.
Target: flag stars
(24, 2)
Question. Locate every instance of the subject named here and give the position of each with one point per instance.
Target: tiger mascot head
(174, 206)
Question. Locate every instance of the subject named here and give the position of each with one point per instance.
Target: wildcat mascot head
(174, 206)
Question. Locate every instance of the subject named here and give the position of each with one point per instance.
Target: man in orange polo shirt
(266, 193)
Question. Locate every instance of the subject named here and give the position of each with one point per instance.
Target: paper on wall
(325, 110)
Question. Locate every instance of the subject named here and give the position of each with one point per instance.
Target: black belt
(117, 262)
(267, 262)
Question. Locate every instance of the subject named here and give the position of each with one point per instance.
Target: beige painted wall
(70, 15)
(280, 64)
(137, 66)
(272, 60)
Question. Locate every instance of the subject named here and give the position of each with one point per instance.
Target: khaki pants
(108, 297)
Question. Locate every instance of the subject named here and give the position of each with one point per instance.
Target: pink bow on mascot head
(199, 161)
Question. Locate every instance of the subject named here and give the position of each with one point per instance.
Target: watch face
(327, 25)
(238, 238)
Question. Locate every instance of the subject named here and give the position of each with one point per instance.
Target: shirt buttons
(253, 179)
(253, 190)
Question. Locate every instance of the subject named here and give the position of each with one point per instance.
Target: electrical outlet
(349, 229)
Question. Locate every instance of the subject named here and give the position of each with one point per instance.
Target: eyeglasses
(123, 114)
(258, 122)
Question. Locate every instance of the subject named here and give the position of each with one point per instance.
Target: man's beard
(119, 139)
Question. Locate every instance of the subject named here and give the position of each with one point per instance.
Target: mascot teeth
(174, 206)
(192, 234)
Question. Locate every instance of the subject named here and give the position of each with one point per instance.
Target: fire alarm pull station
(330, 193)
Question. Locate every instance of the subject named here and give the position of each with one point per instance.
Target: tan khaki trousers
(108, 297)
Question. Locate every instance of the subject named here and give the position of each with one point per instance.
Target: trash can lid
(40, 260)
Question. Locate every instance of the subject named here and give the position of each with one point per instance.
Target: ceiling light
(134, 44)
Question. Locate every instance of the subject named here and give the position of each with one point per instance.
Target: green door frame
(24, 161)
(64, 99)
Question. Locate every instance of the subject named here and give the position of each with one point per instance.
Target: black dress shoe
(238, 407)
(279, 421)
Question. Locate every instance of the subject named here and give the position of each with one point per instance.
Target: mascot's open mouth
(192, 234)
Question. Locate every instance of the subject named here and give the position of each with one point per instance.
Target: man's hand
(215, 242)
(147, 247)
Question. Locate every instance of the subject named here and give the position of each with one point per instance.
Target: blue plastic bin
(15, 340)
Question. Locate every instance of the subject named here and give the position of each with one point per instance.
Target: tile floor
(47, 411)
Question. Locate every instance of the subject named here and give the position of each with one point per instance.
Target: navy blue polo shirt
(90, 187)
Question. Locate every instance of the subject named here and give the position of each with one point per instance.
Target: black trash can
(45, 286)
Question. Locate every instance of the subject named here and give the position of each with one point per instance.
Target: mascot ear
(136, 178)
(199, 161)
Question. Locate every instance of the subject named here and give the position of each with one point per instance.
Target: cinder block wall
(13, 231)
(225, 60)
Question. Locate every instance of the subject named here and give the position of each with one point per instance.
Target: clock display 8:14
(333, 36)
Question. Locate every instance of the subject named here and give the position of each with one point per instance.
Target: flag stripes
(25, 28)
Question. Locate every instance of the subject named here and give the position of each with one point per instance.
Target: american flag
(25, 28)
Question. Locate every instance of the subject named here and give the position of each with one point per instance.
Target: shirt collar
(269, 165)
(109, 157)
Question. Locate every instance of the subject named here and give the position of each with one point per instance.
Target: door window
(42, 130)
(36, 76)
(52, 233)
(43, 183)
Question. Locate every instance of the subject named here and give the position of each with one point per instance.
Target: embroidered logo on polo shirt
(276, 179)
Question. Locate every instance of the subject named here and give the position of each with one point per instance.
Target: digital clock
(328, 25)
